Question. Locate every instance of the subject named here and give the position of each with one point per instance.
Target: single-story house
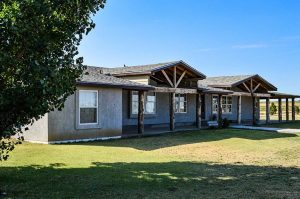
(135, 100)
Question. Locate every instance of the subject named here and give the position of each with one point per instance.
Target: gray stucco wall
(38, 131)
(63, 125)
(246, 109)
(208, 106)
(162, 111)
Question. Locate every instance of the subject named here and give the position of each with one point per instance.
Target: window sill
(135, 116)
(88, 126)
(227, 113)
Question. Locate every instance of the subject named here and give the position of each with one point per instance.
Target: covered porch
(285, 108)
(179, 100)
(194, 118)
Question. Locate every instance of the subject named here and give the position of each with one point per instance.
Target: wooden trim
(174, 77)
(239, 109)
(253, 110)
(246, 87)
(267, 110)
(280, 110)
(293, 110)
(175, 90)
(141, 112)
(262, 95)
(256, 87)
(181, 77)
(172, 111)
(167, 77)
(220, 111)
(287, 109)
(106, 85)
(199, 111)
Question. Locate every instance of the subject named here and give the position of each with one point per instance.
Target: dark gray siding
(246, 109)
(162, 111)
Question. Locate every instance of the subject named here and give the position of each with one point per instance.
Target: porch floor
(157, 130)
(261, 128)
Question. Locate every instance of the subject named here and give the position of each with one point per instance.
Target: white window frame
(178, 96)
(226, 104)
(145, 103)
(97, 107)
(213, 105)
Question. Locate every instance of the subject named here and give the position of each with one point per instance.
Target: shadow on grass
(190, 137)
(150, 180)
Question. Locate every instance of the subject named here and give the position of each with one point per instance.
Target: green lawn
(292, 125)
(201, 164)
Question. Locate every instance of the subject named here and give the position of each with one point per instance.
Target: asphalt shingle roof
(148, 69)
(231, 81)
(94, 76)
(207, 89)
(224, 81)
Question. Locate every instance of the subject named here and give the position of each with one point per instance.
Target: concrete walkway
(278, 130)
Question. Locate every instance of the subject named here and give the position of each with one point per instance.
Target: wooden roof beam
(256, 87)
(248, 89)
(167, 78)
(178, 82)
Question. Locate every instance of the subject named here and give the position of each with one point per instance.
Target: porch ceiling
(261, 95)
(277, 95)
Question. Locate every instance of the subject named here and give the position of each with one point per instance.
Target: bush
(213, 117)
(273, 109)
(225, 123)
(297, 110)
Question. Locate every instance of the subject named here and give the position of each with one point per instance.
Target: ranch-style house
(155, 98)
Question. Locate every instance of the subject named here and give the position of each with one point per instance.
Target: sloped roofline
(256, 76)
(155, 69)
(180, 62)
(244, 78)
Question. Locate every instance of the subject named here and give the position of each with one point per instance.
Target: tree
(38, 65)
(297, 110)
(273, 109)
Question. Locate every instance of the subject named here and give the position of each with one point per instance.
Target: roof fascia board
(184, 64)
(105, 85)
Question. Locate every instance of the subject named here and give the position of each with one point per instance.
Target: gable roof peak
(149, 69)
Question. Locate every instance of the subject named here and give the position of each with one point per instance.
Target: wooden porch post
(240, 109)
(172, 111)
(267, 110)
(293, 110)
(253, 110)
(257, 114)
(199, 111)
(287, 109)
(220, 111)
(279, 110)
(141, 112)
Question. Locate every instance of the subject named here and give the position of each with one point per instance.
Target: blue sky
(217, 37)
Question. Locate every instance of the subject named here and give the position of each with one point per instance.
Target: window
(180, 103)
(88, 107)
(227, 104)
(215, 104)
(150, 103)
